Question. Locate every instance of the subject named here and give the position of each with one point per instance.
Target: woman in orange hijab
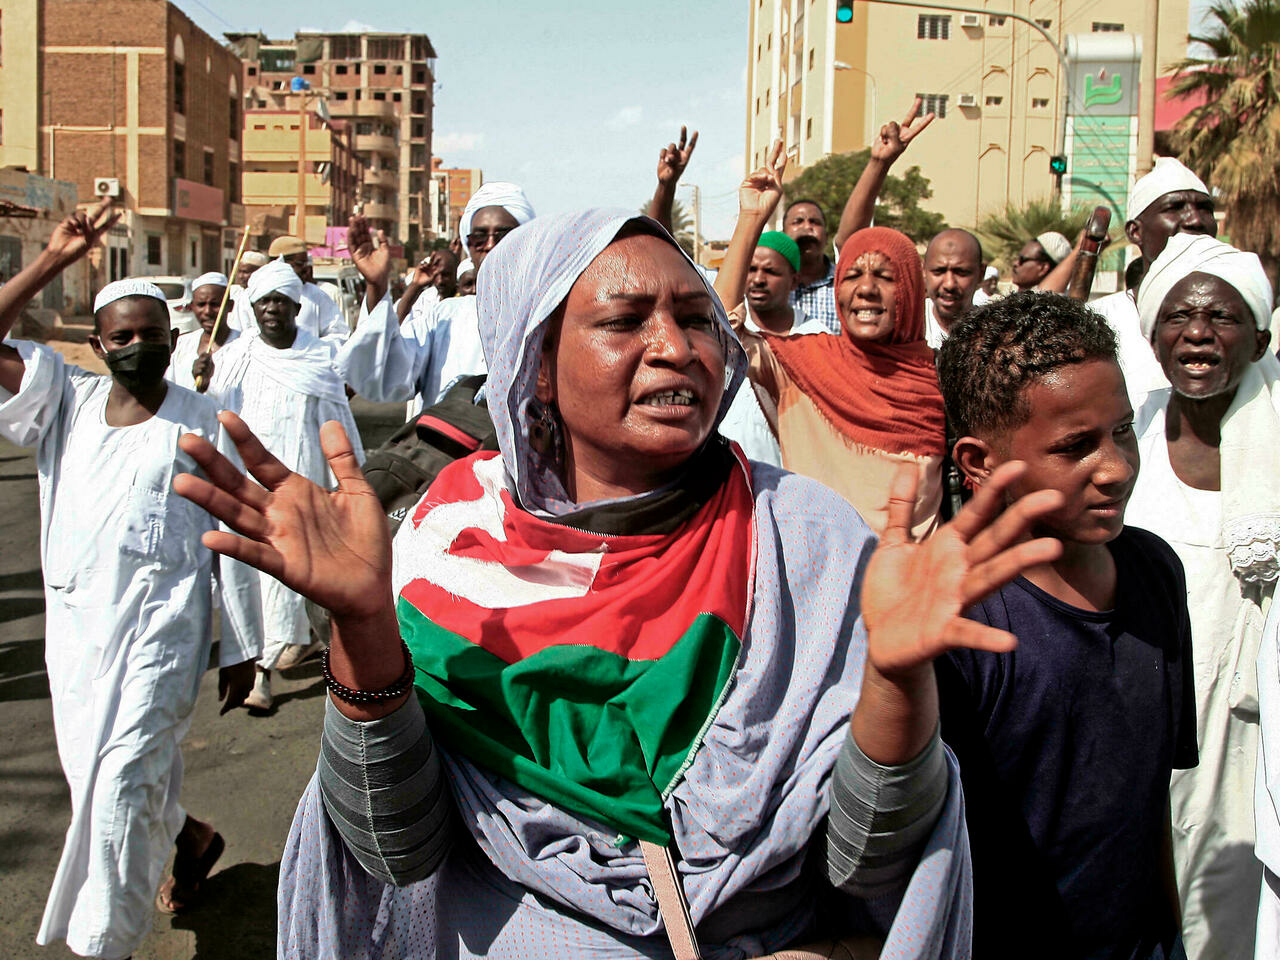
(849, 408)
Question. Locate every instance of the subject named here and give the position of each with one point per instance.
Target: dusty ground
(243, 773)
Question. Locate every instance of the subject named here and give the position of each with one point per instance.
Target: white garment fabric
(318, 315)
(1212, 805)
(1268, 945)
(496, 193)
(1267, 788)
(128, 592)
(933, 332)
(417, 360)
(284, 396)
(1168, 175)
(746, 422)
(1142, 371)
(185, 353)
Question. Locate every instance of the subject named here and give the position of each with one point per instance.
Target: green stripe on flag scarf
(601, 736)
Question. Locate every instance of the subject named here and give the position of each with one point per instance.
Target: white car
(177, 291)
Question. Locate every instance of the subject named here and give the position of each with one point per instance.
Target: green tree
(1003, 232)
(830, 181)
(1232, 140)
(681, 225)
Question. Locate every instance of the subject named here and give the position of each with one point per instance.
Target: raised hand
(374, 263)
(913, 594)
(673, 158)
(894, 138)
(759, 193)
(423, 274)
(330, 546)
(77, 234)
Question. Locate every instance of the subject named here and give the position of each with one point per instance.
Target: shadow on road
(26, 580)
(22, 675)
(236, 918)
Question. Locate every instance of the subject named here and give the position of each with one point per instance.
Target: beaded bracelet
(399, 688)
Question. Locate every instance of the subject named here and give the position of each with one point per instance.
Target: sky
(571, 99)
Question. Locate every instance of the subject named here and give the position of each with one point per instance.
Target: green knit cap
(779, 241)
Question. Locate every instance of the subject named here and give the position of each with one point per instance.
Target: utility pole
(697, 224)
(1147, 89)
(300, 211)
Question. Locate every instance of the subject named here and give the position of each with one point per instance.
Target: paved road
(243, 773)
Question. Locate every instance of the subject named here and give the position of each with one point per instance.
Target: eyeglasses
(479, 238)
(1019, 261)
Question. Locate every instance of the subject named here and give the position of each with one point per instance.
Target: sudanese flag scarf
(881, 395)
(581, 666)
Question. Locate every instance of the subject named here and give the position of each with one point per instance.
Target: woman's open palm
(331, 546)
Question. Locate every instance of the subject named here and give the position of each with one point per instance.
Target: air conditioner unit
(967, 100)
(970, 20)
(106, 186)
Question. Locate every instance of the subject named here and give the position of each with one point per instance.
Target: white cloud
(455, 142)
(626, 117)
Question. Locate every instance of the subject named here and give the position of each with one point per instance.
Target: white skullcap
(210, 280)
(1188, 253)
(464, 266)
(1167, 176)
(1055, 245)
(991, 274)
(129, 287)
(254, 258)
(276, 275)
(496, 194)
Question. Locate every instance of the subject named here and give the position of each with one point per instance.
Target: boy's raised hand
(914, 594)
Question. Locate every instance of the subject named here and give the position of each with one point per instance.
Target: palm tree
(1232, 140)
(1003, 232)
(681, 225)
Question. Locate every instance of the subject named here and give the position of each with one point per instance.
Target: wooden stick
(1095, 232)
(201, 384)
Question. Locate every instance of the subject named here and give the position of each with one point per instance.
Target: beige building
(994, 82)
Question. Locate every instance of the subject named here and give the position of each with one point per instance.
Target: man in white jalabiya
(128, 599)
(1167, 201)
(281, 381)
(318, 315)
(1210, 486)
(206, 299)
(440, 341)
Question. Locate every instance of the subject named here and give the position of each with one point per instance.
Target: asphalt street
(243, 773)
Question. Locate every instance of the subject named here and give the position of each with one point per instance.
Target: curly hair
(995, 351)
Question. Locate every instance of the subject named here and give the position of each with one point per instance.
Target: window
(1100, 27)
(808, 129)
(396, 98)
(180, 88)
(379, 68)
(995, 21)
(253, 71)
(766, 97)
(1039, 103)
(768, 42)
(1, 128)
(233, 182)
(208, 167)
(179, 159)
(153, 249)
(276, 61)
(1044, 23)
(994, 101)
(419, 76)
(309, 69)
(233, 126)
(759, 51)
(340, 95)
(344, 48)
(385, 48)
(811, 59)
(930, 26)
(379, 95)
(1, 44)
(340, 69)
(935, 103)
(757, 104)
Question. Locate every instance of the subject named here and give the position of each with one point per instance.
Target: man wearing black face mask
(128, 598)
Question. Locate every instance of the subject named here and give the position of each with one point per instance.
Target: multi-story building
(382, 83)
(130, 99)
(996, 86)
(333, 173)
(457, 184)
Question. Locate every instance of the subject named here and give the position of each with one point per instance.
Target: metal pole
(301, 209)
(1147, 89)
(1061, 133)
(697, 224)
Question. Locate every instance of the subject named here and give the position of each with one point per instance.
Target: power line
(213, 14)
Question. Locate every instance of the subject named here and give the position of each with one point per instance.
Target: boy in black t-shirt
(1067, 742)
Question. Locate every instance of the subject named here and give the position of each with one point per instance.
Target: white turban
(276, 275)
(1055, 245)
(130, 287)
(464, 266)
(1167, 176)
(254, 258)
(1188, 253)
(991, 274)
(209, 280)
(496, 194)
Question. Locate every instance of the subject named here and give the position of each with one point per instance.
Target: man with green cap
(775, 266)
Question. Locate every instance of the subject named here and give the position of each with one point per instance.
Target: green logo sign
(1102, 93)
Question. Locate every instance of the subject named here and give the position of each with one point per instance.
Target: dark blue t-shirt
(1066, 745)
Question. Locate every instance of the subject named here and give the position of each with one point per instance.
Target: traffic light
(1058, 164)
(844, 11)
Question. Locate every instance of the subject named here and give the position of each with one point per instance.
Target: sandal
(181, 891)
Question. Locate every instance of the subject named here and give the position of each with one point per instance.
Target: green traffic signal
(1058, 165)
(844, 11)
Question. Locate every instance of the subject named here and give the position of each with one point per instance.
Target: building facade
(148, 115)
(995, 83)
(380, 83)
(457, 184)
(31, 206)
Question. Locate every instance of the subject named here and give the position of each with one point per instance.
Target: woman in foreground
(628, 644)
